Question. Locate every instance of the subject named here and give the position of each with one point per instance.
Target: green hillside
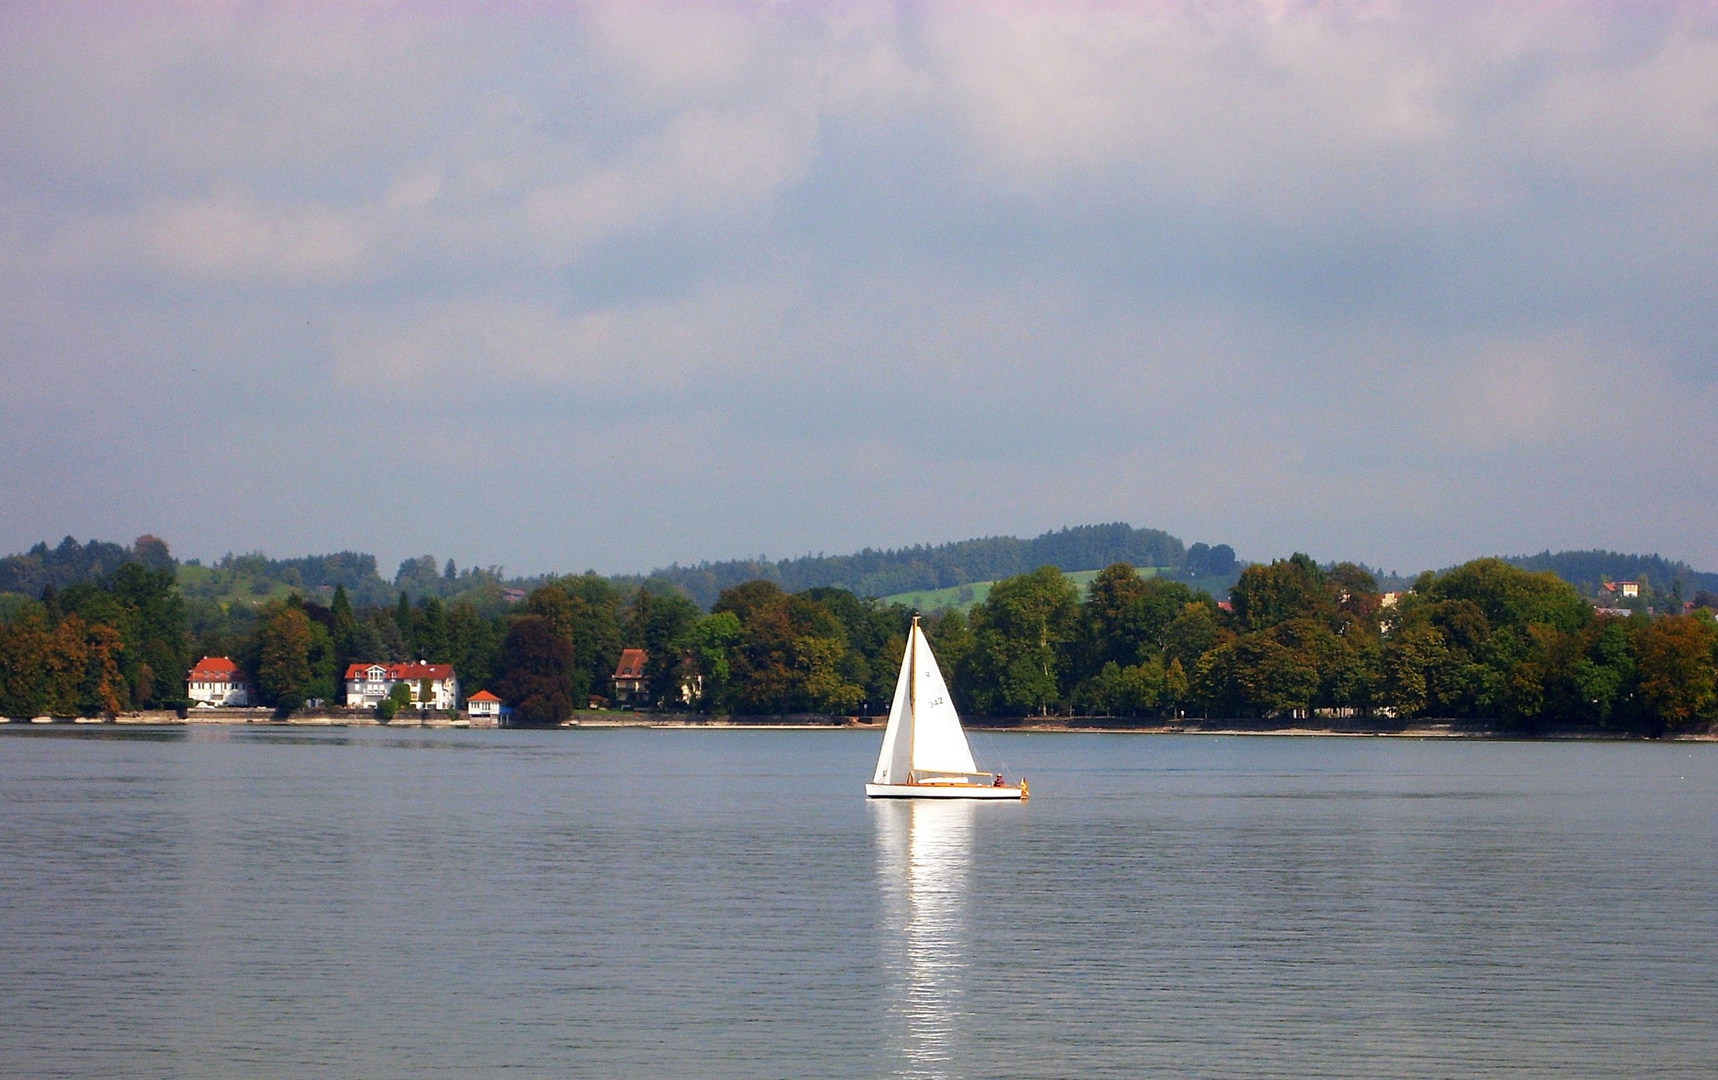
(962, 597)
(228, 586)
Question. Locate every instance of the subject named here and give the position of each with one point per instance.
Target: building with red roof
(433, 686)
(483, 708)
(629, 688)
(215, 681)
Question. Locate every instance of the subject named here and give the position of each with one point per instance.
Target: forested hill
(1587, 569)
(871, 572)
(71, 563)
(885, 572)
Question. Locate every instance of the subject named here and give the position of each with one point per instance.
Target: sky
(557, 286)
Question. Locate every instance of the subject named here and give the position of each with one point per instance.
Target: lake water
(244, 902)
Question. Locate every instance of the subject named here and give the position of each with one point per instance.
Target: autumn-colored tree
(67, 668)
(105, 688)
(1678, 659)
(790, 655)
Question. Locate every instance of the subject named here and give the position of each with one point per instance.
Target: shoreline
(1431, 729)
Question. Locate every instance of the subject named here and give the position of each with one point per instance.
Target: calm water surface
(240, 902)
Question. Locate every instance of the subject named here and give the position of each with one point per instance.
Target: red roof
(483, 695)
(215, 669)
(397, 672)
(632, 663)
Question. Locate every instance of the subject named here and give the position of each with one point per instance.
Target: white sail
(939, 744)
(924, 734)
(896, 759)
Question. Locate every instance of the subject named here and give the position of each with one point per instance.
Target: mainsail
(924, 736)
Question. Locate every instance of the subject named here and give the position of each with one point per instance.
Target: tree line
(1485, 642)
(874, 572)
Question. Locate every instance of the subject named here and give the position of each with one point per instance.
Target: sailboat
(925, 754)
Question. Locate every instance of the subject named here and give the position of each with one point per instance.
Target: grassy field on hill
(227, 587)
(962, 597)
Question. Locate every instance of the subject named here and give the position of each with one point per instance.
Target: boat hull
(942, 791)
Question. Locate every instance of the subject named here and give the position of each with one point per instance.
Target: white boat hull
(942, 791)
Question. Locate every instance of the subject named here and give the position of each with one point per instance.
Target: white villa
(433, 686)
(217, 681)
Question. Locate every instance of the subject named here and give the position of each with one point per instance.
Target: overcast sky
(566, 286)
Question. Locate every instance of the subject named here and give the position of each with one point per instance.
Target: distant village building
(1610, 590)
(433, 686)
(513, 596)
(629, 686)
(484, 709)
(1389, 599)
(217, 681)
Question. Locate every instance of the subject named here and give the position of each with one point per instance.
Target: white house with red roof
(217, 681)
(433, 686)
(483, 708)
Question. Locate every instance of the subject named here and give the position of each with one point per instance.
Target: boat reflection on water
(924, 863)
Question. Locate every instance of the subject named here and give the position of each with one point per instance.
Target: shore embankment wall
(595, 719)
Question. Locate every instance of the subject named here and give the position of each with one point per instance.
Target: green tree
(474, 645)
(153, 633)
(405, 618)
(1123, 691)
(284, 670)
(709, 646)
(1281, 670)
(430, 636)
(1109, 616)
(25, 644)
(1021, 635)
(594, 623)
(1177, 687)
(661, 625)
(399, 697)
(1191, 634)
(1292, 588)
(1509, 596)
(344, 629)
(824, 688)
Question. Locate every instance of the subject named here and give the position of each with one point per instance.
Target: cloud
(699, 164)
(640, 349)
(1379, 280)
(230, 237)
